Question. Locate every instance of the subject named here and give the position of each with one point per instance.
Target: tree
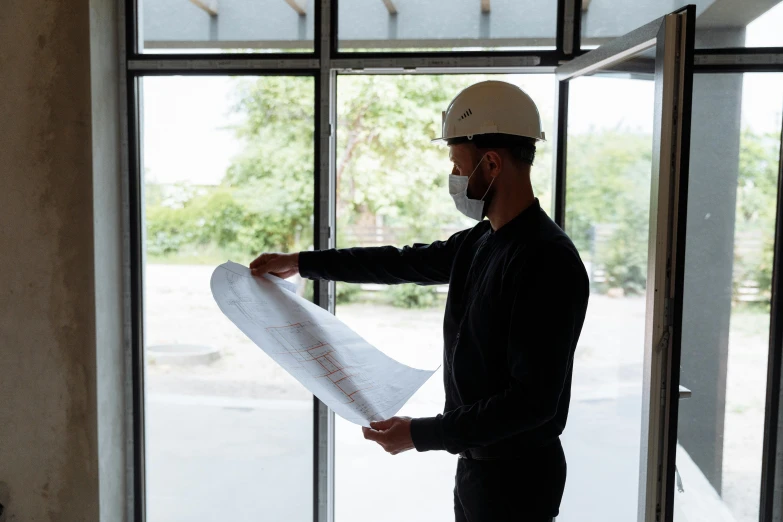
(272, 180)
(386, 163)
(387, 166)
(757, 188)
(608, 188)
(388, 169)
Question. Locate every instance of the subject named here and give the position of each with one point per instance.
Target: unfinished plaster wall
(59, 459)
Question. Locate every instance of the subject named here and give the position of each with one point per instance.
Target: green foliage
(273, 177)
(624, 257)
(168, 229)
(223, 218)
(608, 189)
(608, 201)
(347, 293)
(388, 167)
(386, 164)
(412, 296)
(756, 207)
(265, 202)
(388, 171)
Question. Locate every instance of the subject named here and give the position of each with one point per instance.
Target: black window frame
(323, 64)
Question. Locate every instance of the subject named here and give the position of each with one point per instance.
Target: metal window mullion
(220, 65)
(771, 501)
(134, 499)
(561, 154)
(334, 28)
(442, 63)
(576, 29)
(324, 226)
(568, 20)
(136, 290)
(131, 15)
(738, 60)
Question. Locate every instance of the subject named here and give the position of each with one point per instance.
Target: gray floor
(205, 462)
(231, 441)
(228, 460)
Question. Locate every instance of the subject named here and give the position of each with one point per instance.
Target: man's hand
(280, 265)
(394, 435)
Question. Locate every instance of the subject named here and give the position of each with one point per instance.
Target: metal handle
(678, 479)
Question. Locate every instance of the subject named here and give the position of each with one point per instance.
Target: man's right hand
(280, 265)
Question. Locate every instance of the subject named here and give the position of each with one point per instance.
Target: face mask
(458, 188)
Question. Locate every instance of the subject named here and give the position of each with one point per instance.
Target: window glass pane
(228, 173)
(212, 26)
(719, 23)
(735, 146)
(608, 180)
(392, 189)
(420, 25)
(741, 24)
(765, 31)
(603, 20)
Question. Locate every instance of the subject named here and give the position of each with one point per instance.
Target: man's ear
(494, 163)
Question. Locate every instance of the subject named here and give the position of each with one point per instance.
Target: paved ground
(250, 460)
(231, 441)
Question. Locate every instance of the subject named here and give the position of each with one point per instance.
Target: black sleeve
(419, 263)
(548, 309)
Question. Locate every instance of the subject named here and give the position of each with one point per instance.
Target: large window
(610, 140)
(728, 277)
(214, 26)
(392, 188)
(421, 25)
(243, 139)
(718, 23)
(228, 173)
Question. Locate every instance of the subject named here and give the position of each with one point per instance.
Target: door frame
(672, 37)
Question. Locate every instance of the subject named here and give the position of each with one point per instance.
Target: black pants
(519, 490)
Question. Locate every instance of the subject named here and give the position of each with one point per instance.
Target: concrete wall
(712, 196)
(61, 421)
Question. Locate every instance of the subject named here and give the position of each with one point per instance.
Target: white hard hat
(491, 107)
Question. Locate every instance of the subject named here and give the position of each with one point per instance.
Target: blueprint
(355, 379)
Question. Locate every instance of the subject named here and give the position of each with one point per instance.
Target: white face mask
(458, 188)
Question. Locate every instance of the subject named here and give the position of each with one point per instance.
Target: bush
(347, 293)
(168, 230)
(227, 220)
(624, 255)
(412, 296)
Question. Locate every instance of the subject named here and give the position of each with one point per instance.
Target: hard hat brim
(446, 138)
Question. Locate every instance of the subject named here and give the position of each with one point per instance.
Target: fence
(370, 235)
(748, 248)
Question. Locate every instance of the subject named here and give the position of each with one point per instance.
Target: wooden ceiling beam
(210, 6)
(390, 7)
(296, 7)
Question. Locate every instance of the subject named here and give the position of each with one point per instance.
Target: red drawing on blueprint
(319, 359)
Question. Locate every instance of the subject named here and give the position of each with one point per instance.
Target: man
(517, 300)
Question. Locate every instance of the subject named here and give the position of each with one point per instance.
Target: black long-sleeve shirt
(517, 300)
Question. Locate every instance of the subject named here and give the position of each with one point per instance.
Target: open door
(621, 176)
